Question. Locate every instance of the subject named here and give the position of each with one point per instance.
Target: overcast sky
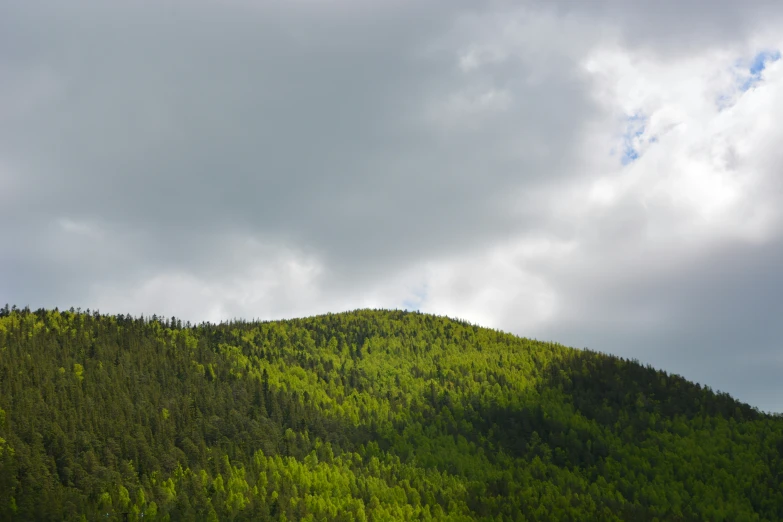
(604, 173)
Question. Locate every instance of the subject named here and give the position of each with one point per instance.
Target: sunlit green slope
(368, 415)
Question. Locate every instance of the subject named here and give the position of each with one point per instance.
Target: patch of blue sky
(629, 156)
(757, 66)
(632, 138)
(747, 74)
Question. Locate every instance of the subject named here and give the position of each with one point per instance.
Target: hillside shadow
(605, 388)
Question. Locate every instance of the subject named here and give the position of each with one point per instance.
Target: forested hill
(368, 415)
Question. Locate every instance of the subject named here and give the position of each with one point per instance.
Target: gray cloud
(309, 129)
(672, 27)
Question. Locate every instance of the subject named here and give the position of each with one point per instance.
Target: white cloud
(255, 279)
(496, 288)
(696, 161)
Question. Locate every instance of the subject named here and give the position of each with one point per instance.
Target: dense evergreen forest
(361, 416)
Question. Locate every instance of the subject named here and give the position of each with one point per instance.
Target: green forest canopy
(366, 416)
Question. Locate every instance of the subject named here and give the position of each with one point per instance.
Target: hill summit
(363, 416)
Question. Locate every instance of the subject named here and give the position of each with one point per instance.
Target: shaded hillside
(368, 415)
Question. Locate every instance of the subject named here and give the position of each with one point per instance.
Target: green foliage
(363, 416)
